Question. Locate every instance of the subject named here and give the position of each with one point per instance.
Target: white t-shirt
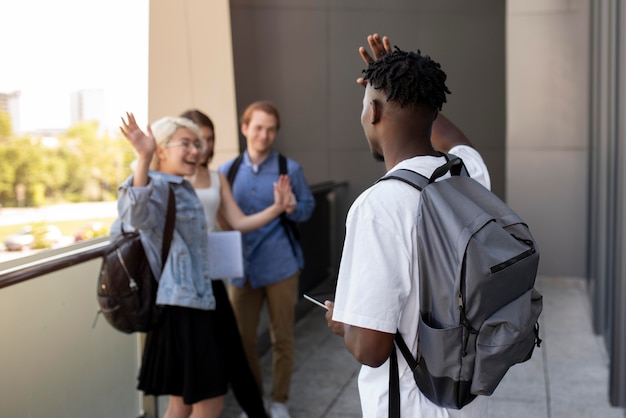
(211, 198)
(378, 288)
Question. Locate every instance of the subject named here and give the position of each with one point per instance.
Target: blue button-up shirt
(185, 278)
(268, 254)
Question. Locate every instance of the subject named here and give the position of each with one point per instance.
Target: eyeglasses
(198, 145)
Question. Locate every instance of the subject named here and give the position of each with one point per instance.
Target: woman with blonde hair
(183, 356)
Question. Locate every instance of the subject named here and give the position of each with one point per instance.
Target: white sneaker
(279, 410)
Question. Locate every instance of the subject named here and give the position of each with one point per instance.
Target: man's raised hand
(379, 47)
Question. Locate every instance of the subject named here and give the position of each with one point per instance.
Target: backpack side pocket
(438, 366)
(506, 338)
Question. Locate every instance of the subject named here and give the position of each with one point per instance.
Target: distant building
(10, 103)
(87, 105)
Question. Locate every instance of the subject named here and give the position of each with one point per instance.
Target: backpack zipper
(519, 257)
(131, 282)
(467, 327)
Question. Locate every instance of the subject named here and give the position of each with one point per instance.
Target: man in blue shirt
(273, 257)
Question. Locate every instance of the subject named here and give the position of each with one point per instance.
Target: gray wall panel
(303, 55)
(277, 59)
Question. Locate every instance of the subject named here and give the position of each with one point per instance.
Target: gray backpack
(478, 305)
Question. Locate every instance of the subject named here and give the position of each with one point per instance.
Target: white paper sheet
(225, 255)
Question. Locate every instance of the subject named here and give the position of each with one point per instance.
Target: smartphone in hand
(315, 301)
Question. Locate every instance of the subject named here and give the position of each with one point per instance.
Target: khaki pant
(281, 299)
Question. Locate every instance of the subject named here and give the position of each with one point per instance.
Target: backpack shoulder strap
(168, 232)
(453, 164)
(234, 168)
(410, 177)
(394, 377)
(290, 227)
(282, 164)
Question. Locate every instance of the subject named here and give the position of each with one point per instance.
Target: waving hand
(144, 144)
(379, 46)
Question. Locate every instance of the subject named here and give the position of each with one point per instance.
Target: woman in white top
(213, 189)
(215, 194)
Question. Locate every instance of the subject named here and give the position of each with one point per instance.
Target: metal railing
(51, 263)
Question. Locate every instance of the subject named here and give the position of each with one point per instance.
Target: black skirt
(184, 356)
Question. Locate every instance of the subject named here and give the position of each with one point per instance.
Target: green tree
(104, 160)
(79, 166)
(17, 158)
(29, 171)
(25, 162)
(56, 174)
(6, 127)
(7, 172)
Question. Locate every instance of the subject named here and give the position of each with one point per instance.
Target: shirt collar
(256, 167)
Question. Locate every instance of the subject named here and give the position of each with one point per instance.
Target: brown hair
(199, 118)
(264, 106)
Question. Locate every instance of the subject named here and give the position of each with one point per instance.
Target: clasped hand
(283, 195)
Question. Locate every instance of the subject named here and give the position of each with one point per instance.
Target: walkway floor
(567, 377)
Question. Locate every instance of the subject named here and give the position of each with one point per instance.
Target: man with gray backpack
(426, 266)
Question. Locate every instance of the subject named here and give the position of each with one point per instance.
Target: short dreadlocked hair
(409, 78)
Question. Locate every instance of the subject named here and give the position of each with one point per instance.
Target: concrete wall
(303, 56)
(547, 103)
(191, 66)
(518, 72)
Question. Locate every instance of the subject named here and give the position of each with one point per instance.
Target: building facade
(536, 85)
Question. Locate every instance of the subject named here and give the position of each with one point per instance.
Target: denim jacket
(185, 278)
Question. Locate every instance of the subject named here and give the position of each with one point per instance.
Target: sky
(49, 49)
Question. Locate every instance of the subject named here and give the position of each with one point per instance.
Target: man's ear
(244, 129)
(376, 111)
